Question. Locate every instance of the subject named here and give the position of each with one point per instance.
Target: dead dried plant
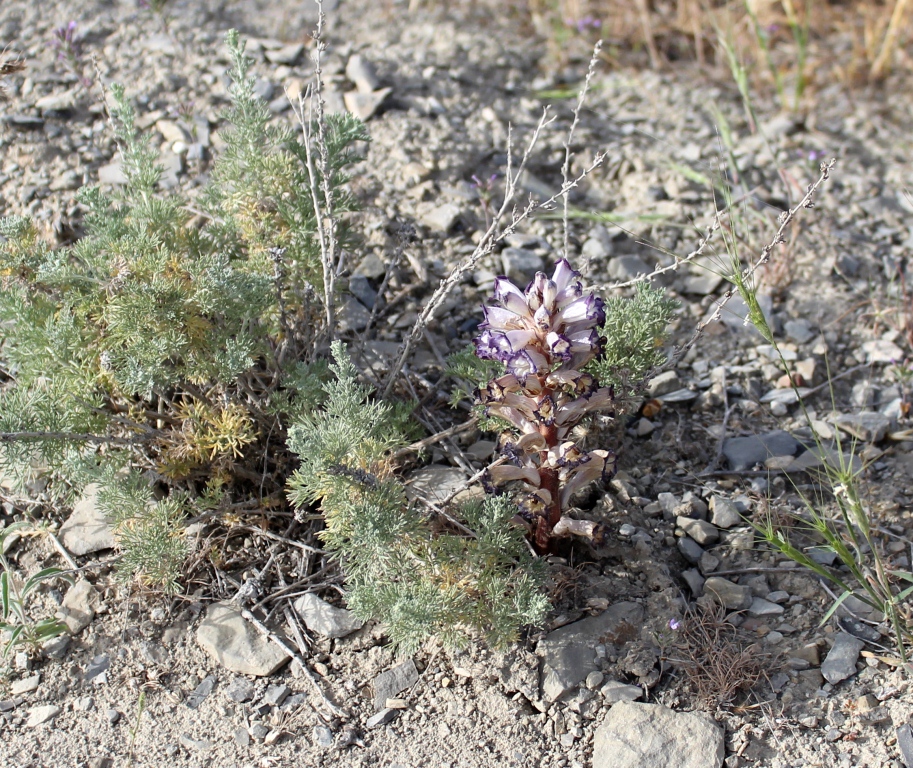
(717, 658)
(9, 65)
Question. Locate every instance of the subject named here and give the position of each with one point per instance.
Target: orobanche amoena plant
(177, 356)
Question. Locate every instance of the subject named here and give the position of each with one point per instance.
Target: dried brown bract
(9, 66)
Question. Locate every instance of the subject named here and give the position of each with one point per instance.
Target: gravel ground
(448, 87)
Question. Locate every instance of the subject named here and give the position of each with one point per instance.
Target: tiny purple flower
(674, 624)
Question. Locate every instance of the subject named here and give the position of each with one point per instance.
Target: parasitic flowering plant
(544, 336)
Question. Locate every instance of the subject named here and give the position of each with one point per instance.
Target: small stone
(730, 595)
(112, 174)
(86, 529)
(882, 351)
(833, 734)
(323, 736)
(800, 331)
(232, 641)
(112, 716)
(441, 218)
(690, 550)
(389, 683)
(627, 531)
(745, 452)
(287, 54)
(840, 662)
(195, 745)
(381, 718)
(201, 692)
(701, 531)
(24, 122)
(725, 514)
(708, 563)
(866, 703)
(905, 744)
(78, 607)
(623, 268)
(98, 666)
(614, 691)
(364, 105)
(26, 685)
(8, 705)
(680, 396)
(644, 427)
(56, 102)
(241, 737)
(172, 132)
(362, 73)
(666, 382)
(520, 265)
(42, 714)
(83, 703)
(869, 426)
(435, 482)
(761, 608)
(635, 735)
(482, 450)
(594, 680)
(809, 653)
(325, 619)
(240, 690)
(275, 695)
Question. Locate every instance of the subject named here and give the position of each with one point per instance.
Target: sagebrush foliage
(421, 580)
(172, 338)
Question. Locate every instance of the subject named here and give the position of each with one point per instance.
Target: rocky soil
(615, 678)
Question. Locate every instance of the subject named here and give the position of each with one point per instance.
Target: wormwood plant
(159, 349)
(425, 577)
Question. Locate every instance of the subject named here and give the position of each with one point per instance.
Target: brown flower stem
(550, 482)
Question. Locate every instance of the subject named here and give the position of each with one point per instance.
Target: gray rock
(8, 705)
(569, 654)
(393, 681)
(614, 691)
(323, 736)
(26, 685)
(78, 607)
(361, 289)
(863, 394)
(736, 311)
(701, 531)
(364, 105)
(112, 173)
(42, 714)
(287, 54)
(760, 608)
(822, 555)
(201, 692)
(97, 667)
(86, 529)
(24, 122)
(694, 580)
(745, 452)
(623, 268)
(275, 695)
(725, 513)
(240, 690)
(112, 716)
(905, 744)
(690, 549)
(870, 426)
(172, 132)
(649, 735)
(701, 283)
(83, 703)
(800, 331)
(881, 351)
(325, 619)
(435, 482)
(195, 745)
(236, 644)
(666, 382)
(56, 102)
(840, 662)
(381, 718)
(441, 218)
(680, 396)
(362, 73)
(241, 737)
(353, 315)
(520, 265)
(730, 595)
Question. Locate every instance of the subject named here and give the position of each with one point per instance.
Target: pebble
(724, 512)
(745, 452)
(701, 531)
(42, 714)
(112, 716)
(840, 662)
(323, 736)
(86, 530)
(690, 549)
(362, 74)
(381, 718)
(882, 351)
(800, 331)
(201, 692)
(624, 268)
(78, 607)
(905, 743)
(240, 690)
(761, 608)
(389, 683)
(84, 703)
(695, 581)
(435, 482)
(520, 265)
(365, 105)
(236, 644)
(666, 382)
(196, 745)
(26, 685)
(97, 668)
(735, 597)
(614, 691)
(276, 694)
(287, 54)
(324, 619)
